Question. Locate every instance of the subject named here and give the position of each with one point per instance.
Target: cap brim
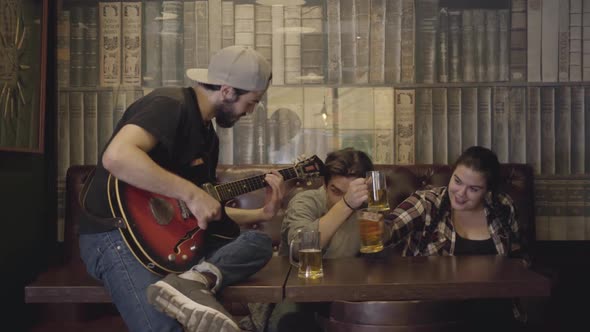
(198, 75)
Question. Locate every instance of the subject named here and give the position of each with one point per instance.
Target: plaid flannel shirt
(424, 221)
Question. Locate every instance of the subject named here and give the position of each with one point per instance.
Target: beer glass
(371, 229)
(309, 253)
(377, 191)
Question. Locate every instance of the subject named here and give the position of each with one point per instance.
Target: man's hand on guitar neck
(275, 191)
(274, 194)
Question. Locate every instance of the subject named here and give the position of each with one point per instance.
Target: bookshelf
(407, 81)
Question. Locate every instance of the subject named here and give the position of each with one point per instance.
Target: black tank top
(474, 247)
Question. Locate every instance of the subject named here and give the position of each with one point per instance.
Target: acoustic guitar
(161, 231)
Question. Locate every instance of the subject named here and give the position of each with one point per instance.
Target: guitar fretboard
(228, 191)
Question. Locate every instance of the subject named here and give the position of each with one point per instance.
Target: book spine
(377, 42)
(227, 25)
(189, 35)
(404, 126)
(408, 42)
(76, 46)
(548, 130)
(63, 134)
(563, 56)
(586, 40)
(455, 47)
(152, 52)
(90, 18)
(469, 121)
(442, 63)
(492, 46)
(263, 31)
(384, 140)
(504, 44)
(278, 45)
(541, 209)
(172, 61)
(500, 123)
(132, 43)
(202, 33)
(76, 101)
(517, 126)
(424, 126)
(439, 125)
(335, 70)
(578, 131)
(393, 36)
(575, 46)
(109, 45)
(426, 27)
(534, 33)
(550, 44)
(104, 118)
(533, 129)
(63, 49)
(312, 45)
(587, 127)
(292, 45)
(518, 41)
(454, 124)
(362, 17)
(479, 37)
(563, 130)
(346, 52)
(484, 117)
(90, 128)
(468, 54)
(215, 26)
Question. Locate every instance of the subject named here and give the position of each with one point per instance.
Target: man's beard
(224, 115)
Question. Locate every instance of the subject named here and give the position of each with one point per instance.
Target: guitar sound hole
(161, 210)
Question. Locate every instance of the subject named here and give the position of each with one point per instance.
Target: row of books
(547, 127)
(562, 208)
(152, 43)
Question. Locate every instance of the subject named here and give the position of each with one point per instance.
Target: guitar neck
(230, 190)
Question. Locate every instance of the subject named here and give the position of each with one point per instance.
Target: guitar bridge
(184, 211)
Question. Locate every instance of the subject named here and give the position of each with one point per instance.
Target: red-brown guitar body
(162, 233)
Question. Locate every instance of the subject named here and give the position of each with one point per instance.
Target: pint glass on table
(307, 246)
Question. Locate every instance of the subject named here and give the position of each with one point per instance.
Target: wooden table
(418, 278)
(265, 286)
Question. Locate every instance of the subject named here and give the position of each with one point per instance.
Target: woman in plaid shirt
(467, 217)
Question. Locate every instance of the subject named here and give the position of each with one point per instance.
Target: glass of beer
(377, 191)
(371, 229)
(309, 254)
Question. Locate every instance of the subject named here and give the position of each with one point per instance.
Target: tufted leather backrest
(517, 181)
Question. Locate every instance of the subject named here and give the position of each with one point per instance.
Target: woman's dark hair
(482, 160)
(347, 162)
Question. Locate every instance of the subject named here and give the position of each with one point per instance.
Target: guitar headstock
(309, 167)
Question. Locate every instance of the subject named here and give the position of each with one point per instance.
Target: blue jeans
(109, 260)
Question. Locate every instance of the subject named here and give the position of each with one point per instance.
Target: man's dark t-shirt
(172, 116)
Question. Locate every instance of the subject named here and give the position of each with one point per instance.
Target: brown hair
(347, 162)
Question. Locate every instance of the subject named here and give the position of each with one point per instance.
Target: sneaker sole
(193, 316)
